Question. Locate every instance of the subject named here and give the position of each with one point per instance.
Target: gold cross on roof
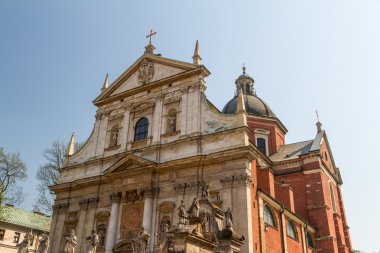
(150, 35)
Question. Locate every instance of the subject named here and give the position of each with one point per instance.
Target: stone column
(54, 220)
(81, 223)
(148, 208)
(112, 222)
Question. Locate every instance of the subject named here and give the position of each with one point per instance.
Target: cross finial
(150, 35)
(244, 68)
(319, 124)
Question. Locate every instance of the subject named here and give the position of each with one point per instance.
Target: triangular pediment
(148, 69)
(128, 163)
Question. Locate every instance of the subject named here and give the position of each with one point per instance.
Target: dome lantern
(245, 83)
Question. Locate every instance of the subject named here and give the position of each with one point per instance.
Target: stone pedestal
(184, 241)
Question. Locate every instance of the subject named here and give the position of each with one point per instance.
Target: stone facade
(165, 171)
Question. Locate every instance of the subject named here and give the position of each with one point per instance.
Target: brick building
(159, 146)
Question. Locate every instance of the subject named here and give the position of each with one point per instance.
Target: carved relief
(132, 216)
(145, 72)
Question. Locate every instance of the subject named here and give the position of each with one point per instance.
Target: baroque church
(166, 171)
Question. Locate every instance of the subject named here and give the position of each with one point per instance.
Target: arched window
(269, 217)
(291, 230)
(114, 136)
(141, 129)
(261, 145)
(171, 121)
(309, 240)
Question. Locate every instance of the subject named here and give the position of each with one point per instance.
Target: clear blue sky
(304, 55)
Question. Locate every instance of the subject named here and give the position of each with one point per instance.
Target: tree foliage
(48, 174)
(12, 171)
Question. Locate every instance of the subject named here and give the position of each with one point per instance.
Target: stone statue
(91, 242)
(172, 118)
(164, 238)
(204, 219)
(205, 192)
(114, 137)
(194, 209)
(140, 243)
(71, 242)
(43, 244)
(228, 218)
(23, 247)
(182, 213)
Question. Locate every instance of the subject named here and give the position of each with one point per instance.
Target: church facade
(165, 171)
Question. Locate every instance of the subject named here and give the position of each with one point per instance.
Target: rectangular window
(332, 197)
(2, 233)
(261, 145)
(16, 238)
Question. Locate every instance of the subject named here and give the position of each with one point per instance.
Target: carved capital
(92, 202)
(98, 116)
(149, 191)
(115, 197)
(190, 186)
(241, 180)
(63, 207)
(83, 203)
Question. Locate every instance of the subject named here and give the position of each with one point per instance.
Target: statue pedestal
(190, 243)
(229, 241)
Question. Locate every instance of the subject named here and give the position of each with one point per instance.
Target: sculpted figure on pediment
(145, 72)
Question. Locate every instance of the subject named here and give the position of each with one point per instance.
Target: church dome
(253, 104)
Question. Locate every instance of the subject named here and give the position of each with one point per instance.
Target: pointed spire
(70, 147)
(319, 124)
(197, 57)
(105, 84)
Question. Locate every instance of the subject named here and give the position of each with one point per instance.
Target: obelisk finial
(197, 57)
(70, 147)
(105, 84)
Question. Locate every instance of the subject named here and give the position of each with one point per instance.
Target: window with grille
(269, 217)
(141, 129)
(291, 230)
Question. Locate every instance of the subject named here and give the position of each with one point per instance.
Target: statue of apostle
(43, 244)
(194, 209)
(91, 242)
(182, 213)
(71, 242)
